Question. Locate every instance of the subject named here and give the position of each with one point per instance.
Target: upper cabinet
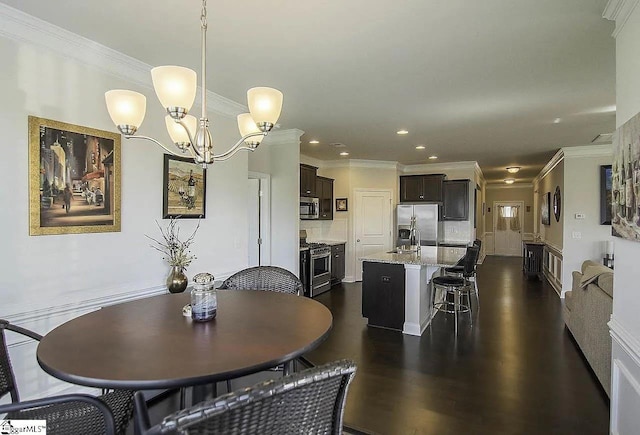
(324, 190)
(308, 180)
(455, 206)
(421, 188)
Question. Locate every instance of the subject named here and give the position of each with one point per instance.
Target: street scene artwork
(184, 190)
(74, 175)
(625, 181)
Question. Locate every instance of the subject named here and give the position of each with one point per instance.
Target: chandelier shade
(175, 86)
(248, 126)
(177, 132)
(265, 105)
(126, 108)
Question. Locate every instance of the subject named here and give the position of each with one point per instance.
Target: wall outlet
(576, 235)
(579, 215)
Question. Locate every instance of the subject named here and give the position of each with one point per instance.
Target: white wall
(45, 280)
(625, 323)
(279, 156)
(583, 239)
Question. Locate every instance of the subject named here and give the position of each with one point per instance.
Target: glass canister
(204, 301)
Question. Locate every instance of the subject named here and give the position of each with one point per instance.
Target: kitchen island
(396, 290)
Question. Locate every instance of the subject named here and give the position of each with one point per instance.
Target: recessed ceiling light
(433, 157)
(513, 169)
(509, 180)
(403, 131)
(557, 121)
(314, 141)
(344, 153)
(420, 147)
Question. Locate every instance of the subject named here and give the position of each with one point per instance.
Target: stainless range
(315, 266)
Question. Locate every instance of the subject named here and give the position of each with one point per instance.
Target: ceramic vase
(177, 281)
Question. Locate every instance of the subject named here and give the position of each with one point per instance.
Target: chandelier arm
(228, 155)
(156, 142)
(236, 148)
(183, 125)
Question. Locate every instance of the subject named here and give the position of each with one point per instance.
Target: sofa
(587, 310)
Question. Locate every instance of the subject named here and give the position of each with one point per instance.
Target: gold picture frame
(74, 179)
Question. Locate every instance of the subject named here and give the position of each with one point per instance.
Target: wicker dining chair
(308, 402)
(267, 278)
(66, 414)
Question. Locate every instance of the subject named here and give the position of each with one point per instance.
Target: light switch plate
(576, 235)
(579, 215)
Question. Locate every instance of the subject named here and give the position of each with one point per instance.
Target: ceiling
(469, 80)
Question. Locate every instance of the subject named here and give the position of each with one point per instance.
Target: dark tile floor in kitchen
(515, 371)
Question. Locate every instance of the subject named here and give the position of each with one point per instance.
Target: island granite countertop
(435, 256)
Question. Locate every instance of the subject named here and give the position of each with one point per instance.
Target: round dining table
(149, 344)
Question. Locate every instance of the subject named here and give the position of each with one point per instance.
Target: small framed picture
(341, 204)
(184, 188)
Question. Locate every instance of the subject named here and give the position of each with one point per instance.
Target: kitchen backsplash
(456, 231)
(336, 229)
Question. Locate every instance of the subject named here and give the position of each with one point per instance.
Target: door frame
(357, 273)
(496, 204)
(265, 215)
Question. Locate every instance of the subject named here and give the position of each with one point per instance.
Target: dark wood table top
(149, 344)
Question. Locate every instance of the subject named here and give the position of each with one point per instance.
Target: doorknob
(358, 240)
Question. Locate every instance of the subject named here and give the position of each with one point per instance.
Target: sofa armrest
(577, 277)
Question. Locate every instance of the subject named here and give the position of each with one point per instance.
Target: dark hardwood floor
(515, 371)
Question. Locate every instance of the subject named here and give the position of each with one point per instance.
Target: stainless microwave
(309, 208)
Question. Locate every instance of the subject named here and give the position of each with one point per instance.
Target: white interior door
(507, 228)
(372, 224)
(253, 208)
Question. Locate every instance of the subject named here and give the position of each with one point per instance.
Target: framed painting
(625, 181)
(606, 196)
(184, 188)
(74, 179)
(545, 211)
(341, 204)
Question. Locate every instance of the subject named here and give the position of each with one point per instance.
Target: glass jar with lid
(204, 301)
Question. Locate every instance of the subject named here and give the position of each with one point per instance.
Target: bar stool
(458, 287)
(457, 270)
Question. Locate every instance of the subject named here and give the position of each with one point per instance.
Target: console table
(532, 259)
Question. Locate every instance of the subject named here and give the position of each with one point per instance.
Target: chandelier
(175, 87)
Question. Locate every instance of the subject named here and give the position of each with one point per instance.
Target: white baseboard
(625, 380)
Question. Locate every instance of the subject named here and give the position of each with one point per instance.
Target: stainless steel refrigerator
(426, 221)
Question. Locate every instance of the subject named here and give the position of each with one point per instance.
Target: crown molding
(509, 186)
(557, 158)
(619, 11)
(431, 167)
(357, 163)
(605, 150)
(24, 28)
(305, 159)
(283, 137)
(481, 180)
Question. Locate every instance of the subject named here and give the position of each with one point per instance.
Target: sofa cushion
(592, 274)
(605, 282)
(588, 263)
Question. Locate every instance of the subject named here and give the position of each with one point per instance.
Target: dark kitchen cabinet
(421, 188)
(383, 294)
(324, 191)
(455, 205)
(308, 180)
(337, 264)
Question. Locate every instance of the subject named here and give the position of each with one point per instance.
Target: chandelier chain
(203, 14)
